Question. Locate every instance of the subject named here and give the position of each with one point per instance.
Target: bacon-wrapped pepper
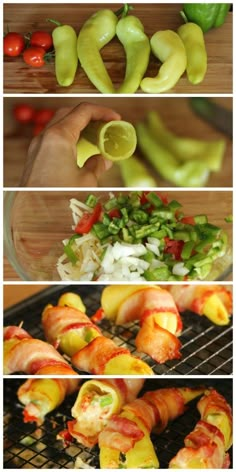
(41, 396)
(213, 301)
(206, 446)
(125, 441)
(96, 402)
(155, 309)
(73, 332)
(22, 353)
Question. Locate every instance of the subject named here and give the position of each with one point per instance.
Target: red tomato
(38, 127)
(34, 56)
(88, 219)
(174, 247)
(13, 44)
(41, 39)
(43, 116)
(188, 220)
(24, 113)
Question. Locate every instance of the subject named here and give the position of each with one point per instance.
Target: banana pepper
(130, 32)
(96, 32)
(66, 61)
(193, 39)
(206, 15)
(168, 47)
(189, 174)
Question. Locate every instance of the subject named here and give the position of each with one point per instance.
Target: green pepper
(130, 32)
(66, 61)
(206, 15)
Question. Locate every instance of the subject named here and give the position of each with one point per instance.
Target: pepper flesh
(96, 32)
(193, 39)
(66, 60)
(206, 15)
(169, 48)
(130, 32)
(115, 140)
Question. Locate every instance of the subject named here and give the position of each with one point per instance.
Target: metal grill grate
(206, 348)
(48, 453)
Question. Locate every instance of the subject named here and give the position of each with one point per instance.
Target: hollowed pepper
(130, 32)
(193, 39)
(96, 32)
(169, 48)
(206, 15)
(66, 59)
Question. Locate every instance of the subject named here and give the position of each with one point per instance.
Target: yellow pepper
(193, 39)
(168, 47)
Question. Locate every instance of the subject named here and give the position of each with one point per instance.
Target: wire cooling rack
(206, 349)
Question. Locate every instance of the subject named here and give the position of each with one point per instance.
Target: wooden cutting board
(26, 17)
(176, 114)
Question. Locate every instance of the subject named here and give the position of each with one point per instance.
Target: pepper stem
(54, 21)
(182, 14)
(123, 11)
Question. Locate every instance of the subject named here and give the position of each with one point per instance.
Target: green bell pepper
(206, 15)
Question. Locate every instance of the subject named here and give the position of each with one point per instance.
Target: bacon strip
(195, 297)
(159, 318)
(157, 342)
(121, 432)
(98, 351)
(94, 357)
(31, 356)
(155, 409)
(206, 446)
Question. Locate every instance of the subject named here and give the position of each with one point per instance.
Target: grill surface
(48, 453)
(206, 348)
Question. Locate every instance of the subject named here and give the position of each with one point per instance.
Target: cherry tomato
(34, 57)
(13, 44)
(24, 113)
(43, 116)
(41, 39)
(38, 127)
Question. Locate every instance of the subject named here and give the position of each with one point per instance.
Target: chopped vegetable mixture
(139, 236)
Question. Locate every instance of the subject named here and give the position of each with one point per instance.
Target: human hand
(51, 160)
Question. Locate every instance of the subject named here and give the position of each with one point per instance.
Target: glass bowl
(36, 222)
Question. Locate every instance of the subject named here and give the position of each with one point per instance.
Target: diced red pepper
(188, 220)
(88, 219)
(173, 246)
(98, 316)
(143, 198)
(115, 213)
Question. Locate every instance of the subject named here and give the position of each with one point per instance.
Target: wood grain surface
(24, 18)
(175, 111)
(41, 220)
(13, 294)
